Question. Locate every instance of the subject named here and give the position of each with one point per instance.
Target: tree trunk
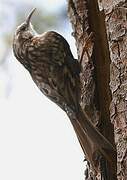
(104, 77)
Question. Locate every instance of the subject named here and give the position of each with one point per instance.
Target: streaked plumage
(49, 60)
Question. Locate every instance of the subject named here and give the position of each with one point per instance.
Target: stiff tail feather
(86, 125)
(89, 137)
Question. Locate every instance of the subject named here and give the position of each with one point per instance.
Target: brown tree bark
(116, 24)
(104, 77)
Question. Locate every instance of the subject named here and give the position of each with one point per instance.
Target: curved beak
(29, 17)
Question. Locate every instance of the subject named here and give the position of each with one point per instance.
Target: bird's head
(22, 35)
(25, 30)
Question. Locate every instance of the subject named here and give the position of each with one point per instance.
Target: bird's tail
(89, 137)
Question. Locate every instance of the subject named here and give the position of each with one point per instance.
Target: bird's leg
(85, 47)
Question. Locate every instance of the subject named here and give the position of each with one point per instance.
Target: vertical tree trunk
(116, 24)
(104, 76)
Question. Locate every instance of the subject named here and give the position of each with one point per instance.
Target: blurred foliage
(40, 20)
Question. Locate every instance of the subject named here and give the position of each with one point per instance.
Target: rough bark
(104, 76)
(116, 25)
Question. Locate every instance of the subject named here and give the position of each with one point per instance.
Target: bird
(50, 62)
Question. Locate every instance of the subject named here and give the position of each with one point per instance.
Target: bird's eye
(22, 28)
